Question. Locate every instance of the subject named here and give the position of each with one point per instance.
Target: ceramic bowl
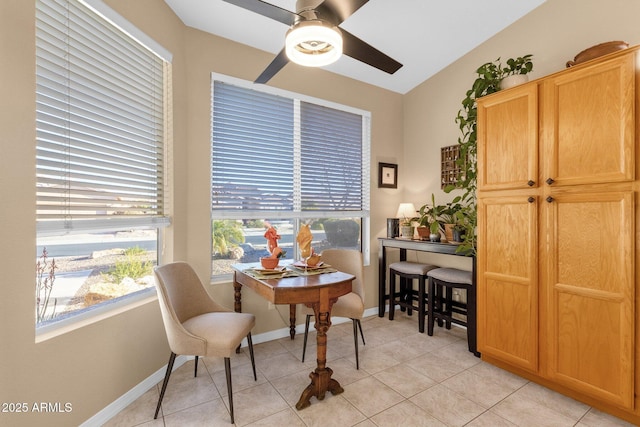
(269, 263)
(596, 51)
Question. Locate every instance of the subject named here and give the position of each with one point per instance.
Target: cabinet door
(508, 139)
(589, 286)
(507, 280)
(588, 124)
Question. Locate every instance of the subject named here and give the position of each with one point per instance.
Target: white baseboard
(132, 395)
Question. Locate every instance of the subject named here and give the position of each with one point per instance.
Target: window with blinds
(286, 159)
(100, 128)
(101, 102)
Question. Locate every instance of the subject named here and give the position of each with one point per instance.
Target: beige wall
(94, 365)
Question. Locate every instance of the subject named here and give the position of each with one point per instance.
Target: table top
(294, 289)
(421, 245)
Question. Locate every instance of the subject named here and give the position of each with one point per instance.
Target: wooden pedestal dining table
(316, 288)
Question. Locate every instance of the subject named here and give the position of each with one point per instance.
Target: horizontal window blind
(331, 159)
(252, 150)
(99, 123)
(275, 153)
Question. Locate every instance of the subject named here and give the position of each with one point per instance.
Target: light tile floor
(405, 379)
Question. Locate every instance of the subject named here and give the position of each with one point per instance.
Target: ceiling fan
(314, 38)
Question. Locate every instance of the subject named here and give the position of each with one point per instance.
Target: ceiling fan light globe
(313, 43)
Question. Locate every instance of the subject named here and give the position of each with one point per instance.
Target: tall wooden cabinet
(508, 226)
(557, 217)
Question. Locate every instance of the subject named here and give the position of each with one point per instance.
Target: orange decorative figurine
(276, 252)
(304, 239)
(272, 237)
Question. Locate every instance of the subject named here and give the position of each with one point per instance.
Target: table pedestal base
(318, 292)
(321, 382)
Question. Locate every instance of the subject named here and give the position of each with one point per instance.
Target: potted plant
(515, 71)
(406, 227)
(406, 214)
(489, 76)
(450, 220)
(423, 228)
(430, 218)
(466, 221)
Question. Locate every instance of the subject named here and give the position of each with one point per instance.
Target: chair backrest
(181, 297)
(349, 261)
(183, 291)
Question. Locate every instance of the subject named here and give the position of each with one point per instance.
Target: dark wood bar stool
(441, 306)
(407, 297)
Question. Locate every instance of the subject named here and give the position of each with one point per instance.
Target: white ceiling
(424, 35)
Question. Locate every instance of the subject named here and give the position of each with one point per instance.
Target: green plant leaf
(487, 82)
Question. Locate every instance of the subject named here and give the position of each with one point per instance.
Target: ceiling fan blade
(266, 9)
(272, 69)
(339, 9)
(357, 49)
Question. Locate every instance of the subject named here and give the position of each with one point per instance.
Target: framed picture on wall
(387, 175)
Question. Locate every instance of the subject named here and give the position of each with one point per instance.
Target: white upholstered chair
(196, 325)
(350, 305)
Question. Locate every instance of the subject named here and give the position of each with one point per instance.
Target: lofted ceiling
(424, 35)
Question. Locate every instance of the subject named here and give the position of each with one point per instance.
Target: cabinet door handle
(549, 181)
(549, 199)
(531, 199)
(531, 183)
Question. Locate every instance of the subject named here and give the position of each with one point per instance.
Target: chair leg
(431, 306)
(403, 294)
(448, 300)
(195, 370)
(421, 310)
(439, 300)
(253, 362)
(227, 371)
(392, 294)
(306, 332)
(408, 295)
(361, 334)
(355, 340)
(172, 359)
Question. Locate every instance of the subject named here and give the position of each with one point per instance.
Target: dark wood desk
(404, 245)
(320, 292)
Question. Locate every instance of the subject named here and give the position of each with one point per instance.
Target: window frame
(298, 216)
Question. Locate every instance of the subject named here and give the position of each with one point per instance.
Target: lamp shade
(406, 210)
(313, 43)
